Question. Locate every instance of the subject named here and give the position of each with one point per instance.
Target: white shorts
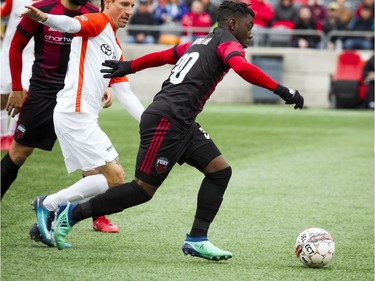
(83, 143)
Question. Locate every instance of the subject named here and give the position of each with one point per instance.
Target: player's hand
(15, 101)
(107, 98)
(34, 14)
(116, 68)
(290, 96)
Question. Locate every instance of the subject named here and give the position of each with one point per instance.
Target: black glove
(290, 96)
(116, 68)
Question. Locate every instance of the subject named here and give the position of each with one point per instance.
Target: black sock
(114, 200)
(210, 197)
(9, 172)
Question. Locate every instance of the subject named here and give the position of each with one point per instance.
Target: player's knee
(221, 178)
(143, 193)
(115, 176)
(19, 153)
(148, 188)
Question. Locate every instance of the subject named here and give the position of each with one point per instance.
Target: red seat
(349, 66)
(347, 87)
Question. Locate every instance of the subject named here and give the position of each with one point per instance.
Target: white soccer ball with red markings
(315, 247)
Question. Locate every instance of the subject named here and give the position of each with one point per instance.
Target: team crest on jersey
(106, 49)
(20, 131)
(161, 164)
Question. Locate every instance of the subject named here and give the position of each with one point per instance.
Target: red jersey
(52, 48)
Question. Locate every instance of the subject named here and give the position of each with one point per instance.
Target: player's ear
(232, 24)
(106, 3)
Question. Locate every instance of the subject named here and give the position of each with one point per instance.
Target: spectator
(169, 11)
(369, 76)
(365, 3)
(263, 13)
(197, 17)
(365, 22)
(211, 9)
(305, 21)
(263, 19)
(286, 14)
(318, 11)
(168, 14)
(332, 23)
(344, 13)
(142, 16)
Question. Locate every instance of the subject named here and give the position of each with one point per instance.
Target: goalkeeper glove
(290, 96)
(116, 68)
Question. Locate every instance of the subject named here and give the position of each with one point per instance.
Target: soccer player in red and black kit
(169, 133)
(35, 127)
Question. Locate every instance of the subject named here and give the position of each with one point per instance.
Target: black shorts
(163, 144)
(35, 123)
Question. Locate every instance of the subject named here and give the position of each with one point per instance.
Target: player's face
(119, 11)
(242, 32)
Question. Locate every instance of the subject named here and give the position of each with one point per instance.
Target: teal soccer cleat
(35, 235)
(44, 220)
(63, 225)
(204, 249)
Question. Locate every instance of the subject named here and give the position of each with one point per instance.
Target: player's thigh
(80, 151)
(162, 144)
(203, 153)
(35, 123)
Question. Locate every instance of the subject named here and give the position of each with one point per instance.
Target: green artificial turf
(292, 170)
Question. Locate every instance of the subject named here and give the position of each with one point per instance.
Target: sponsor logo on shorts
(20, 131)
(109, 148)
(161, 165)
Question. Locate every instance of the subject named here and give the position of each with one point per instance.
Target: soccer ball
(315, 247)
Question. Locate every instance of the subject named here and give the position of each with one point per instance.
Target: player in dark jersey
(169, 133)
(35, 127)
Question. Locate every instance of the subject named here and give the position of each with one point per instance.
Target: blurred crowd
(332, 24)
(309, 17)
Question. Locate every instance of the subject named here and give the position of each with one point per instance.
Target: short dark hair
(234, 9)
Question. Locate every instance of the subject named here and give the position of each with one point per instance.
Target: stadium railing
(260, 35)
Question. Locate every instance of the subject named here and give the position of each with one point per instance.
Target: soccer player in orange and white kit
(35, 127)
(84, 145)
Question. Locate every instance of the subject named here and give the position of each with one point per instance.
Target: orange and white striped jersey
(84, 83)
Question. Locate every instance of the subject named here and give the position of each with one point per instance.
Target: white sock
(84, 188)
(3, 122)
(12, 125)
